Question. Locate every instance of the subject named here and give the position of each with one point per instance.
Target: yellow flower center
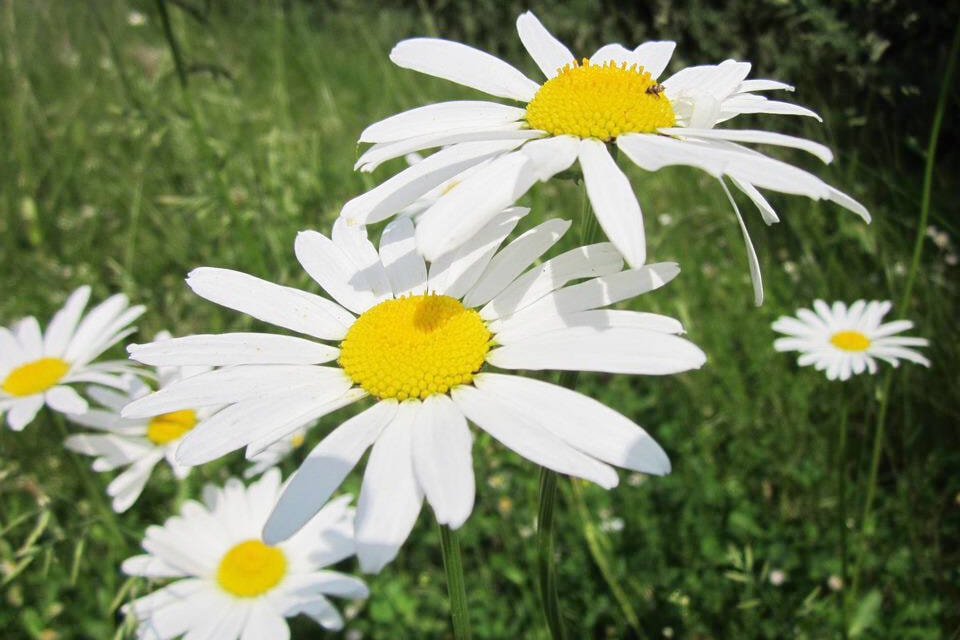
(35, 377)
(600, 101)
(850, 341)
(251, 568)
(414, 346)
(167, 427)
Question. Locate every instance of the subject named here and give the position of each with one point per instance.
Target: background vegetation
(114, 174)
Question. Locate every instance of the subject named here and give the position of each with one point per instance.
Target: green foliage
(115, 176)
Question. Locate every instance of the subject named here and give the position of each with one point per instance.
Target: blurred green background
(117, 172)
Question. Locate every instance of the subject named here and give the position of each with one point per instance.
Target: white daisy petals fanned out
(497, 308)
(224, 597)
(844, 342)
(36, 367)
(568, 118)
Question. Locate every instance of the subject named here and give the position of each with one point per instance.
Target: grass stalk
(453, 566)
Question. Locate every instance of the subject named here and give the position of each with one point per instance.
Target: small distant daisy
(420, 344)
(138, 444)
(274, 454)
(36, 368)
(845, 342)
(580, 113)
(229, 583)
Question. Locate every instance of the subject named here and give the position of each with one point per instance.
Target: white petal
(582, 422)
(92, 327)
(224, 349)
(441, 117)
(324, 469)
(390, 496)
(762, 85)
(755, 137)
(551, 155)
(719, 81)
(462, 212)
(127, 487)
(333, 270)
(263, 622)
(514, 332)
(334, 583)
(767, 211)
(352, 240)
(752, 260)
(464, 65)
(527, 438)
(398, 252)
(654, 55)
(549, 53)
(64, 322)
(510, 262)
(149, 566)
(23, 412)
(65, 400)
(613, 201)
(748, 103)
(615, 53)
(281, 306)
(442, 460)
(582, 262)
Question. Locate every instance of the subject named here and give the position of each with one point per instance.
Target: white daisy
(36, 367)
(577, 114)
(844, 342)
(138, 444)
(418, 347)
(232, 585)
(274, 454)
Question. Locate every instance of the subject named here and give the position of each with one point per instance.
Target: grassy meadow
(119, 173)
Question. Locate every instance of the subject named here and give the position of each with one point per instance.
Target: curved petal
(756, 137)
(352, 240)
(398, 253)
(64, 322)
(333, 270)
(65, 400)
(550, 54)
(441, 117)
(225, 349)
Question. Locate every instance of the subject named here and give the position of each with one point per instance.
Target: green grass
(115, 177)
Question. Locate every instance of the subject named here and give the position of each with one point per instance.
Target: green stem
(545, 554)
(842, 500)
(172, 43)
(453, 566)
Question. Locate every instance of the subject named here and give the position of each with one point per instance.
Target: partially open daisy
(229, 583)
(36, 367)
(847, 341)
(420, 345)
(137, 444)
(582, 110)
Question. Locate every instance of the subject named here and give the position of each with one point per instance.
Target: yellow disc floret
(850, 341)
(251, 568)
(35, 377)
(414, 346)
(167, 427)
(600, 101)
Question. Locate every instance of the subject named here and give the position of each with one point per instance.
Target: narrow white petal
(23, 412)
(719, 81)
(516, 331)
(376, 155)
(398, 252)
(224, 349)
(92, 327)
(550, 54)
(756, 137)
(127, 487)
(150, 566)
(613, 201)
(352, 240)
(277, 305)
(527, 438)
(441, 117)
(65, 400)
(654, 55)
(614, 52)
(464, 65)
(442, 460)
(762, 85)
(30, 337)
(749, 103)
(263, 622)
(390, 496)
(64, 322)
(580, 421)
(752, 260)
(335, 584)
(767, 211)
(551, 155)
(323, 471)
(333, 270)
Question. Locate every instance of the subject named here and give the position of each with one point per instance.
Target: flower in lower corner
(37, 368)
(419, 341)
(846, 341)
(579, 113)
(228, 583)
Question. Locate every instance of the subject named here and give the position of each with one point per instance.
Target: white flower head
(418, 345)
(36, 367)
(577, 114)
(847, 341)
(137, 444)
(228, 583)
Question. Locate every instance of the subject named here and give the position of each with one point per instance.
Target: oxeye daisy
(228, 583)
(137, 444)
(36, 367)
(579, 113)
(419, 341)
(847, 341)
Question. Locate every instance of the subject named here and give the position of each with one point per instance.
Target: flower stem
(453, 566)
(545, 554)
(842, 501)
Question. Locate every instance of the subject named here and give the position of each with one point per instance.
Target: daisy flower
(36, 367)
(419, 341)
(229, 584)
(578, 114)
(137, 444)
(847, 341)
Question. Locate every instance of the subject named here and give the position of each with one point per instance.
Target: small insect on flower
(655, 89)
(845, 342)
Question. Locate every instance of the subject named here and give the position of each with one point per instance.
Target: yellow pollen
(850, 341)
(600, 101)
(35, 377)
(167, 427)
(251, 568)
(414, 346)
